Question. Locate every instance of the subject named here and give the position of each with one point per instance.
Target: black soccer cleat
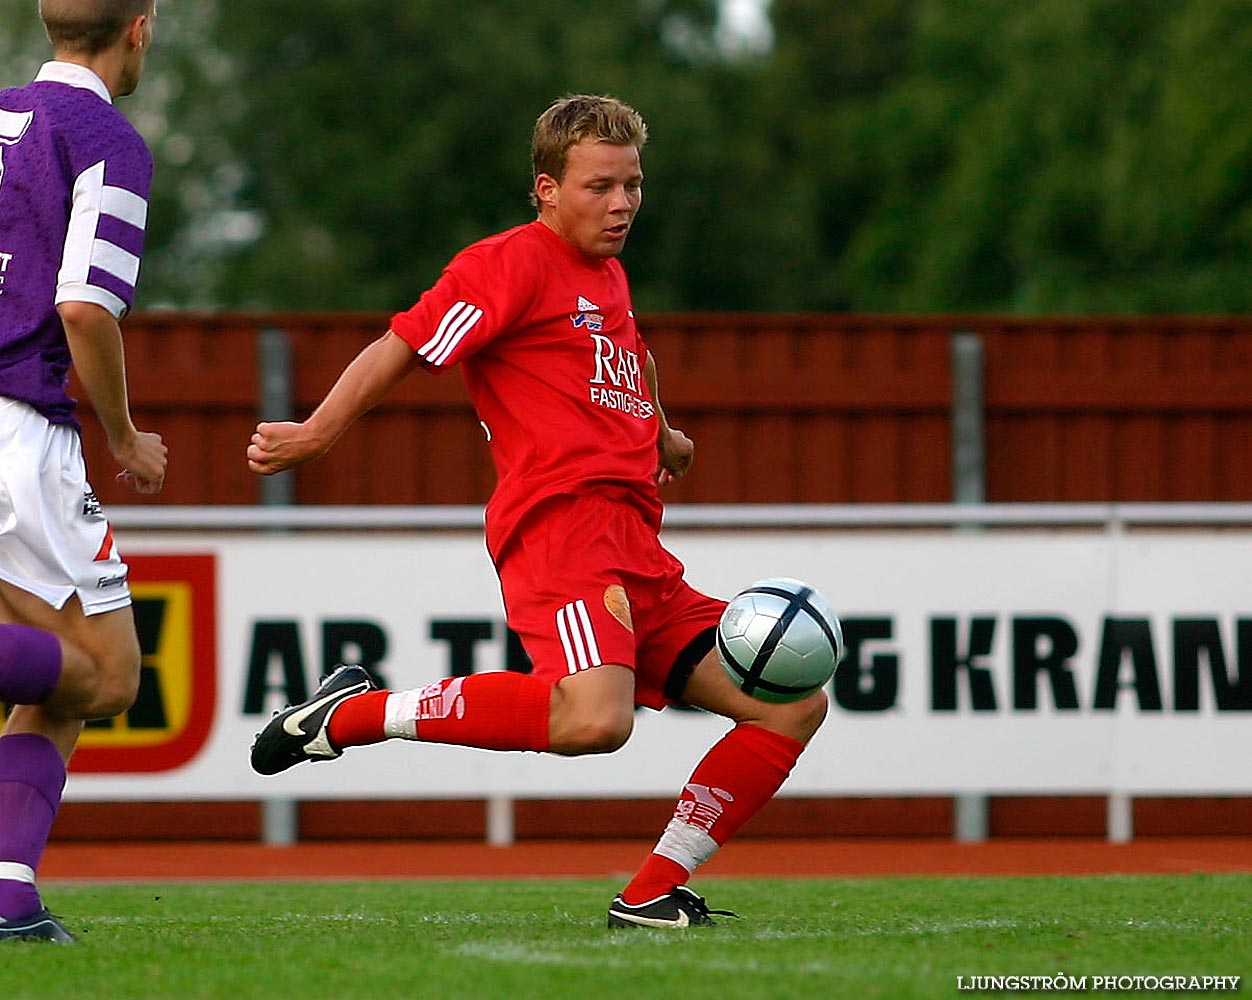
(41, 926)
(679, 908)
(298, 732)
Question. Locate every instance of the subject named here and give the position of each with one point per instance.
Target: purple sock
(32, 776)
(30, 664)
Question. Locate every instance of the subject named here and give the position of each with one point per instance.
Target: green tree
(915, 155)
(23, 43)
(383, 137)
(1057, 156)
(183, 108)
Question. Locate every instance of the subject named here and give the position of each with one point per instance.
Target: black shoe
(680, 908)
(41, 926)
(298, 732)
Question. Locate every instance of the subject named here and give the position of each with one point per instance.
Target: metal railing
(700, 516)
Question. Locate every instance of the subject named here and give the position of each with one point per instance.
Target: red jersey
(554, 366)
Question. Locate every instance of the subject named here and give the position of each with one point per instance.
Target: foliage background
(897, 155)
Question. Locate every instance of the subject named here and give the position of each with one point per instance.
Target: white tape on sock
(15, 871)
(400, 714)
(685, 844)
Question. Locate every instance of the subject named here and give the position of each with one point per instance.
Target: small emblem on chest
(587, 315)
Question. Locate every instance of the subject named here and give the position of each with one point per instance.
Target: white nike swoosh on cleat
(682, 921)
(291, 724)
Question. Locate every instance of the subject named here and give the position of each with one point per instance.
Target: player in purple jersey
(74, 179)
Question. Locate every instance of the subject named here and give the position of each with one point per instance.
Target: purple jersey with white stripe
(74, 180)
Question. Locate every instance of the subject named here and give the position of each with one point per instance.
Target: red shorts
(587, 582)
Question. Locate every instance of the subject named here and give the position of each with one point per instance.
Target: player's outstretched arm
(675, 451)
(95, 342)
(364, 383)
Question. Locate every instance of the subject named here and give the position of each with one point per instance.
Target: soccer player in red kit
(539, 320)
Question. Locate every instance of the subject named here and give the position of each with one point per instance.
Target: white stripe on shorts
(578, 637)
(593, 650)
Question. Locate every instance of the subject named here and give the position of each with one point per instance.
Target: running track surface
(863, 857)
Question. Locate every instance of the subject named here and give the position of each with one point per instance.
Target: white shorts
(54, 538)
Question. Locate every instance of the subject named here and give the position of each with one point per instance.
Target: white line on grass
(528, 955)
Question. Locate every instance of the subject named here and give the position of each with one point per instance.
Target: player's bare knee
(112, 698)
(798, 719)
(115, 696)
(117, 683)
(601, 735)
(816, 707)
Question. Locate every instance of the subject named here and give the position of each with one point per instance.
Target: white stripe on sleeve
(442, 329)
(456, 323)
(80, 291)
(122, 264)
(458, 333)
(81, 235)
(124, 205)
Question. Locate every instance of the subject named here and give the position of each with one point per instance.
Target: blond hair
(577, 117)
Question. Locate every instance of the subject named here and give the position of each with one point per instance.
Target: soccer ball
(779, 640)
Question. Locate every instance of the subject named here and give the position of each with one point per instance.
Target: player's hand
(143, 459)
(675, 453)
(279, 446)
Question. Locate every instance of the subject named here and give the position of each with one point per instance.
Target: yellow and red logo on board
(174, 598)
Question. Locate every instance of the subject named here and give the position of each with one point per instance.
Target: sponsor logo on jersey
(587, 314)
(592, 321)
(13, 125)
(616, 366)
(617, 383)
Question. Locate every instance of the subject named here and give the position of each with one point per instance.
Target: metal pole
(280, 826)
(969, 451)
(276, 403)
(970, 818)
(969, 486)
(1120, 818)
(500, 828)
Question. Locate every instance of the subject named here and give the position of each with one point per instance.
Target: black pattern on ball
(782, 648)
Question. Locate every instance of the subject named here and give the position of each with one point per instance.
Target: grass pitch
(802, 938)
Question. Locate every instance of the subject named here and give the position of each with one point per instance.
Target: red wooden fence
(783, 408)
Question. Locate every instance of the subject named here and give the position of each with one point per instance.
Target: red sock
(728, 787)
(498, 710)
(358, 721)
